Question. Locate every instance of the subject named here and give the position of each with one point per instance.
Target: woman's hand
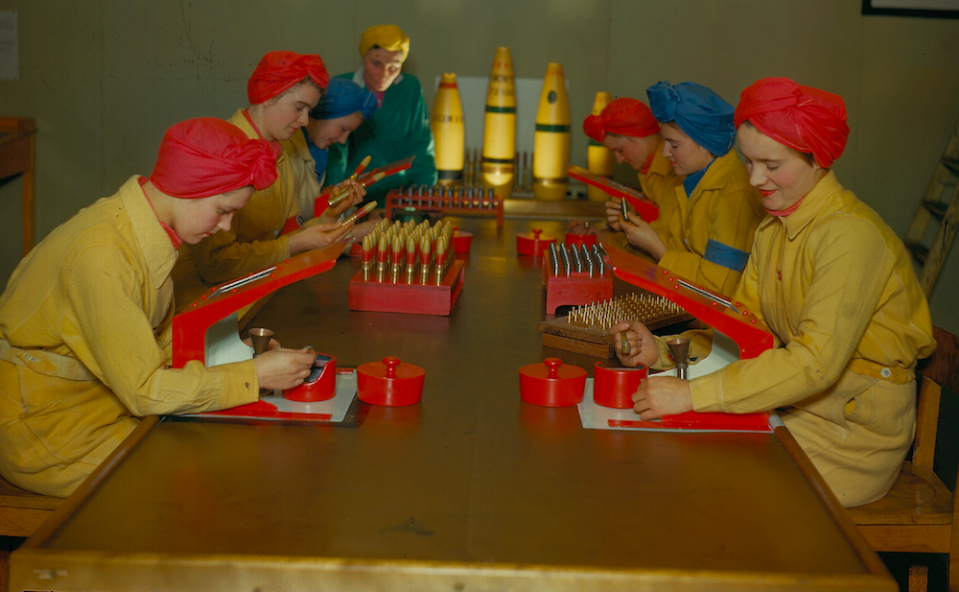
(365, 227)
(357, 193)
(614, 214)
(640, 234)
(662, 395)
(284, 368)
(642, 345)
(318, 236)
(579, 227)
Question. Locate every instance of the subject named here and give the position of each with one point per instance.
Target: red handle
(391, 364)
(552, 366)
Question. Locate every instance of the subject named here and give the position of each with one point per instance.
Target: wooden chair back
(938, 371)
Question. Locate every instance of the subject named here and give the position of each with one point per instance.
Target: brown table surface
(471, 489)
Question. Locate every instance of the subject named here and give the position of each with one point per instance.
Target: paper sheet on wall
(9, 60)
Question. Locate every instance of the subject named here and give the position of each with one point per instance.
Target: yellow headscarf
(389, 37)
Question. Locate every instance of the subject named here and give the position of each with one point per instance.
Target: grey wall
(105, 78)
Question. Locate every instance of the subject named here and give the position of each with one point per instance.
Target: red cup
(614, 387)
(533, 243)
(580, 239)
(320, 385)
(462, 241)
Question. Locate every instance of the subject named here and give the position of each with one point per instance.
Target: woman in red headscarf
(628, 128)
(85, 321)
(836, 287)
(282, 90)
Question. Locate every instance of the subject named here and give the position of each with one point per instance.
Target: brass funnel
(679, 349)
(261, 340)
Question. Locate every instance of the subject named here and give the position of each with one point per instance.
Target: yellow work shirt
(253, 241)
(305, 183)
(657, 184)
(85, 346)
(656, 181)
(837, 288)
(709, 233)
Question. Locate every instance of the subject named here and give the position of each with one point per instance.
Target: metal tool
(679, 349)
(242, 281)
(260, 338)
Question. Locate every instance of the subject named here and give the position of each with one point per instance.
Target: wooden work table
(472, 489)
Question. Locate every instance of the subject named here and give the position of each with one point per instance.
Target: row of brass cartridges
(566, 259)
(385, 227)
(384, 232)
(522, 169)
(452, 196)
(400, 247)
(643, 308)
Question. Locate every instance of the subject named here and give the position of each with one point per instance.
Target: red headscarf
(624, 117)
(208, 156)
(281, 70)
(801, 117)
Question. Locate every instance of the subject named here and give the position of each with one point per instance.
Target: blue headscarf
(342, 98)
(702, 114)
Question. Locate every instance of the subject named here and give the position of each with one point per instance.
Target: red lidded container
(552, 384)
(533, 243)
(390, 383)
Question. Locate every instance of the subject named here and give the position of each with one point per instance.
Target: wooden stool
(21, 512)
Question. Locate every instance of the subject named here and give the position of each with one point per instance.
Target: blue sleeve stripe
(729, 257)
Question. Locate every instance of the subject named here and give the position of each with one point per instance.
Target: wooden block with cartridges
(408, 268)
(575, 275)
(453, 200)
(585, 329)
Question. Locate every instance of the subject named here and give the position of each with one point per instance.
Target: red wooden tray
(646, 209)
(191, 325)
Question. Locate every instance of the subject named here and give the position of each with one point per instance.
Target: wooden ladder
(944, 183)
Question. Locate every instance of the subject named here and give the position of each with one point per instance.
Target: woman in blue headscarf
(705, 233)
(340, 111)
